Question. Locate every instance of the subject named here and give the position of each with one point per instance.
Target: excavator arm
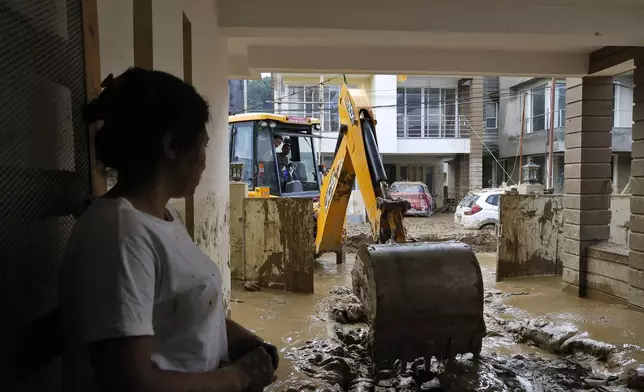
(357, 159)
(421, 299)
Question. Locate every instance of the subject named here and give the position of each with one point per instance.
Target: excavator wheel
(422, 300)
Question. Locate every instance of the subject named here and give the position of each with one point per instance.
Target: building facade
(530, 99)
(430, 129)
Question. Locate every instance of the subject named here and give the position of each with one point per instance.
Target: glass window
(491, 115)
(537, 108)
(449, 112)
(242, 150)
(433, 112)
(426, 112)
(266, 166)
(414, 112)
(400, 104)
(302, 161)
(332, 120)
(493, 200)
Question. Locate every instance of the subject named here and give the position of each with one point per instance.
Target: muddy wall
(531, 235)
(278, 243)
(356, 212)
(608, 272)
(620, 208)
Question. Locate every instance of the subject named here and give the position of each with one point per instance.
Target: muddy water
(545, 296)
(289, 320)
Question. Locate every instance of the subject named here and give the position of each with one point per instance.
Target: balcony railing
(426, 127)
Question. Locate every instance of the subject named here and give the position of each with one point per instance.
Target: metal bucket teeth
(422, 300)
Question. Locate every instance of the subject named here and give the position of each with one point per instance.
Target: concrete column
(462, 175)
(636, 241)
(477, 121)
(589, 120)
(238, 191)
(210, 77)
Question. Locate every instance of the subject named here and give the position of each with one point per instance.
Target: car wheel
(488, 227)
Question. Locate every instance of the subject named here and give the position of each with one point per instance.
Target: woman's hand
(256, 370)
(273, 352)
(242, 341)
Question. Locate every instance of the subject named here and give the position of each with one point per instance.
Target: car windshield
(406, 188)
(469, 200)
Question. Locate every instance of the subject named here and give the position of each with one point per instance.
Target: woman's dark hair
(138, 108)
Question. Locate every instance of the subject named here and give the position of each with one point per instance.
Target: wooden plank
(93, 87)
(143, 34)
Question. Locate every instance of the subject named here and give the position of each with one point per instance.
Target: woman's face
(190, 165)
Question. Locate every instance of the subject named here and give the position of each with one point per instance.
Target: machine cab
(277, 152)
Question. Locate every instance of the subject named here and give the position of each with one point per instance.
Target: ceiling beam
(381, 60)
(615, 20)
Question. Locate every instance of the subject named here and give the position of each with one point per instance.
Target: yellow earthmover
(422, 299)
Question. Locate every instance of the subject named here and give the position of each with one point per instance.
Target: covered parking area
(55, 55)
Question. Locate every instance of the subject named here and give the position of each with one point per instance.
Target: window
(267, 168)
(537, 110)
(493, 200)
(304, 101)
(426, 112)
(491, 115)
(623, 102)
(242, 149)
(301, 156)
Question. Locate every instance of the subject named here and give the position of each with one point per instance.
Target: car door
(493, 207)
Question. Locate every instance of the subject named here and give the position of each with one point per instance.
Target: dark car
(422, 202)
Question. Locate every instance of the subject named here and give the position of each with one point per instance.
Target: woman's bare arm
(124, 364)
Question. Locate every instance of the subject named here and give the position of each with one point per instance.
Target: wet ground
(438, 227)
(539, 337)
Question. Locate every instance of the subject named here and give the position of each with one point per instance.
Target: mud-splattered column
(210, 77)
(477, 123)
(636, 258)
(589, 121)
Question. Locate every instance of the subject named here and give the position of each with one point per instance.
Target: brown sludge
(538, 338)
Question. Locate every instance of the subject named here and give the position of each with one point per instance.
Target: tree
(260, 95)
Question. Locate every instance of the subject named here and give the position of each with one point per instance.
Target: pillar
(210, 78)
(589, 121)
(238, 191)
(636, 241)
(477, 122)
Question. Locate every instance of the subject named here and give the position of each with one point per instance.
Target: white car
(479, 210)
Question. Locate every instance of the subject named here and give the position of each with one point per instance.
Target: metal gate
(44, 174)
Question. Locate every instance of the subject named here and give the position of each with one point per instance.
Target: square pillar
(587, 185)
(636, 240)
(477, 121)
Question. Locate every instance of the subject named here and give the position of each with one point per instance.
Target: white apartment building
(423, 121)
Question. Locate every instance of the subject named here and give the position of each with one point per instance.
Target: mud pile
(437, 228)
(341, 361)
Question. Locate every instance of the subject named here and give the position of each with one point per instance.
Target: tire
(488, 226)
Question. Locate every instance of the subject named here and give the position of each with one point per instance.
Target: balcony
(433, 127)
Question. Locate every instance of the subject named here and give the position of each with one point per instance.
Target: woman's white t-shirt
(127, 273)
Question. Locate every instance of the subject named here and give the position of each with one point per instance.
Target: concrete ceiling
(456, 37)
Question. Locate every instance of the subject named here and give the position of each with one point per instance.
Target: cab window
(266, 165)
(241, 135)
(302, 160)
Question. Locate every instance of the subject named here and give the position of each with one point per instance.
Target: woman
(142, 305)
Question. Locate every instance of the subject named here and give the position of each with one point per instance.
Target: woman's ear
(169, 146)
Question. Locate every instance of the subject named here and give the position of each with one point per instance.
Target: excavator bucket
(422, 300)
